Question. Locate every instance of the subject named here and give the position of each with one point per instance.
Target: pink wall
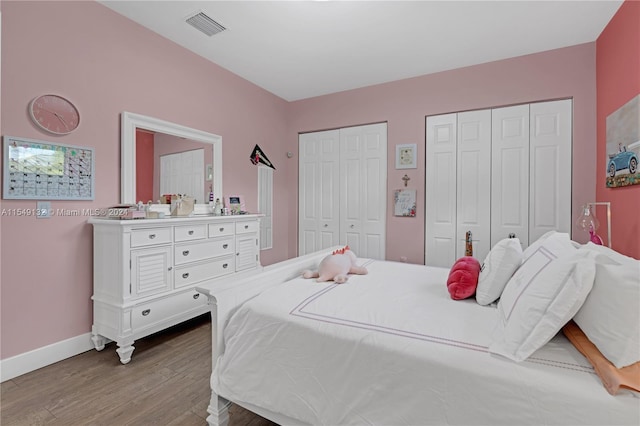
(618, 72)
(562, 73)
(101, 61)
(144, 165)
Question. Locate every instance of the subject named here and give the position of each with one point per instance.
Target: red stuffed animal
(463, 278)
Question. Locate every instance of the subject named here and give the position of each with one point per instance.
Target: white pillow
(498, 267)
(535, 306)
(542, 240)
(610, 317)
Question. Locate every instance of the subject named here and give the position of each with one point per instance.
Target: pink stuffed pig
(336, 267)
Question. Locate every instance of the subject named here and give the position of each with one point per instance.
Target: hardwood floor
(166, 383)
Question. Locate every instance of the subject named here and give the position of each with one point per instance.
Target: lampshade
(588, 220)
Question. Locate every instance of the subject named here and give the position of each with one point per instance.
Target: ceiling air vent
(205, 24)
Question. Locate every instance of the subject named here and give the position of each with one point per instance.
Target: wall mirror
(210, 154)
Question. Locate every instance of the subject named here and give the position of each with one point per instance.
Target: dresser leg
(124, 351)
(98, 341)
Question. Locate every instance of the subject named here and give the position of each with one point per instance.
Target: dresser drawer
(193, 273)
(161, 310)
(248, 226)
(186, 253)
(221, 229)
(150, 237)
(189, 233)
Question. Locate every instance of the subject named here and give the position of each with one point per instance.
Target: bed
(390, 347)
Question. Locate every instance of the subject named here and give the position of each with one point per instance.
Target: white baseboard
(46, 355)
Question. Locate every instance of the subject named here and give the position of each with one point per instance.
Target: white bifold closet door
(441, 190)
(458, 184)
(531, 172)
(497, 173)
(318, 191)
(474, 182)
(183, 173)
(510, 173)
(550, 170)
(342, 190)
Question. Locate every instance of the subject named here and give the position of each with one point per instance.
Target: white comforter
(392, 348)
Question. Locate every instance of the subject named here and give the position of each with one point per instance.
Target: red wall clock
(54, 114)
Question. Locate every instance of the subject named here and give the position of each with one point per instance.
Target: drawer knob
(224, 246)
(195, 296)
(221, 229)
(190, 232)
(185, 253)
(225, 266)
(170, 268)
(185, 275)
(152, 236)
(146, 312)
(246, 227)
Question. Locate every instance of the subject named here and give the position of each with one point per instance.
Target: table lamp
(588, 222)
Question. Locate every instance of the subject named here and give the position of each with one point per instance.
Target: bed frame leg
(218, 411)
(218, 408)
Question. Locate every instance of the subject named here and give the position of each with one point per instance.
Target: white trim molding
(29, 361)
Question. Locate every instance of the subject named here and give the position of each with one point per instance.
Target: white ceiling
(301, 49)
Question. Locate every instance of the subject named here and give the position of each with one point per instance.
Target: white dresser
(145, 271)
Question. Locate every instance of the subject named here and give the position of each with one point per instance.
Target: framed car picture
(623, 145)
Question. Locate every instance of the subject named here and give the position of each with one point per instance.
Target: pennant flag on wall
(257, 156)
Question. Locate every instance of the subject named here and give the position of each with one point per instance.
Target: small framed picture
(235, 203)
(404, 202)
(406, 156)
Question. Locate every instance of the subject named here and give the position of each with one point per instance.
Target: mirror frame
(131, 121)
